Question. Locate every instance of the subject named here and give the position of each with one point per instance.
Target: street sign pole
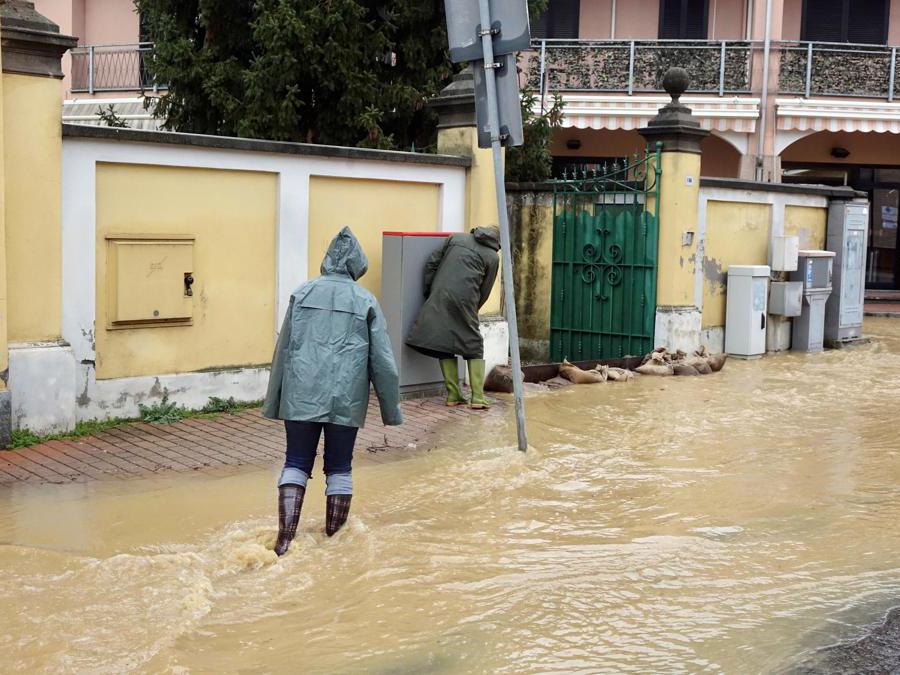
(508, 289)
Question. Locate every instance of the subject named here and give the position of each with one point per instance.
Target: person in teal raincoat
(333, 343)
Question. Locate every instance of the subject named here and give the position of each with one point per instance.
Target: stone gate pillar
(40, 384)
(458, 135)
(678, 317)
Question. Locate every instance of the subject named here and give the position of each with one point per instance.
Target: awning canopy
(602, 111)
(799, 114)
(130, 110)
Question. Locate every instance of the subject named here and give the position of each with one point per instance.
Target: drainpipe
(612, 22)
(764, 99)
(749, 30)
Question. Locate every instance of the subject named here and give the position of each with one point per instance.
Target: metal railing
(119, 67)
(716, 67)
(837, 69)
(638, 66)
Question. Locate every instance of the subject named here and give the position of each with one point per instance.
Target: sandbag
(716, 361)
(578, 376)
(500, 380)
(619, 375)
(701, 364)
(656, 365)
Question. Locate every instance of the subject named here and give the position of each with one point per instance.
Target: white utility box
(745, 315)
(785, 253)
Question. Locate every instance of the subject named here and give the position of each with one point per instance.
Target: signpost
(502, 28)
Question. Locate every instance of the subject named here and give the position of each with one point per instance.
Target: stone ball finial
(676, 82)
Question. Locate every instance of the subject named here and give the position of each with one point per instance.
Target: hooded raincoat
(458, 281)
(333, 342)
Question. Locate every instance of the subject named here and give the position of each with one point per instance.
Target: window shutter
(564, 19)
(695, 27)
(682, 19)
(539, 25)
(866, 22)
(670, 19)
(824, 21)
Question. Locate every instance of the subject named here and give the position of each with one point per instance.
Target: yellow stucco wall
(233, 216)
(533, 269)
(481, 191)
(736, 234)
(678, 213)
(32, 158)
(808, 223)
(369, 207)
(4, 350)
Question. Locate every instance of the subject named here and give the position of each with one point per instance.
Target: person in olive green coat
(333, 343)
(458, 281)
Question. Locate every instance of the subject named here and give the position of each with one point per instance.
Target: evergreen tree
(343, 72)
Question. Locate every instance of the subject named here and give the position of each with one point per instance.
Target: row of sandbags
(663, 362)
(659, 362)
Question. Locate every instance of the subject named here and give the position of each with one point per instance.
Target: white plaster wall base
(713, 338)
(495, 332)
(43, 386)
(778, 333)
(678, 328)
(103, 399)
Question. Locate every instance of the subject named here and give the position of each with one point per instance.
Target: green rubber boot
(476, 381)
(450, 370)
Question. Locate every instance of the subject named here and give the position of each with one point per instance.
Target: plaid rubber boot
(290, 500)
(337, 508)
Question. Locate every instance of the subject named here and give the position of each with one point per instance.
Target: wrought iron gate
(605, 237)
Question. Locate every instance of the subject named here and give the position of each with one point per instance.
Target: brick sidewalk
(245, 438)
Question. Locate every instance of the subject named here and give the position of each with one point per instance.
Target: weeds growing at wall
(22, 438)
(163, 412)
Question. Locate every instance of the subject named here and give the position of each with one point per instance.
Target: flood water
(732, 523)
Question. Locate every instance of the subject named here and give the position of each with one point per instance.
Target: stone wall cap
(257, 145)
(835, 192)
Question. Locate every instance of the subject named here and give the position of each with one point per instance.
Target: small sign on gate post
(479, 31)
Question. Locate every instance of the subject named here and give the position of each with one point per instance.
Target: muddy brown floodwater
(732, 523)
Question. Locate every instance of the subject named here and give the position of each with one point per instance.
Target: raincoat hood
(345, 256)
(488, 236)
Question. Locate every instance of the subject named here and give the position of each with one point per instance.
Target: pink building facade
(791, 90)
(107, 60)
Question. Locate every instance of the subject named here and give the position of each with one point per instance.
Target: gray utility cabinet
(848, 231)
(404, 255)
(815, 273)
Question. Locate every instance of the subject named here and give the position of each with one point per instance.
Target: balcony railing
(121, 67)
(837, 69)
(720, 67)
(638, 66)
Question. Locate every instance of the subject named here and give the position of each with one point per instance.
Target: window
(683, 19)
(559, 21)
(860, 21)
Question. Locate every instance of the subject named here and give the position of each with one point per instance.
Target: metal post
(722, 69)
(543, 66)
(91, 69)
(631, 69)
(508, 291)
(809, 57)
(893, 74)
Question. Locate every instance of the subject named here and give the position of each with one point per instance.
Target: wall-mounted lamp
(573, 144)
(840, 153)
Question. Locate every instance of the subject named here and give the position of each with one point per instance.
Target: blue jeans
(300, 455)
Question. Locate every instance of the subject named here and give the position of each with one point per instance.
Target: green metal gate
(605, 239)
